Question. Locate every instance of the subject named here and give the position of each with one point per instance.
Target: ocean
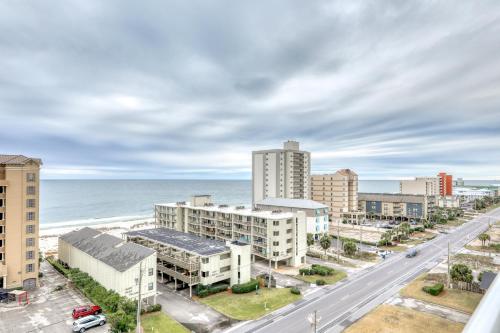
(87, 202)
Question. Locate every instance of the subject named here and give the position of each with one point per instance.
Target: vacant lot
(161, 323)
(250, 305)
(330, 279)
(475, 261)
(456, 299)
(392, 319)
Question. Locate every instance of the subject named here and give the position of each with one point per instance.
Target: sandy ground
(48, 237)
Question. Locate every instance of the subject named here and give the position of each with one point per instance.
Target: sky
(187, 89)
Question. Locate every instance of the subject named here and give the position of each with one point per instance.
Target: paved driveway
(49, 310)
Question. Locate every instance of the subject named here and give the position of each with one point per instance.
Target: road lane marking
(344, 298)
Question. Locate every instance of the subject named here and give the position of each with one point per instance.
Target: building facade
(445, 184)
(420, 186)
(273, 235)
(316, 213)
(19, 221)
(187, 259)
(396, 206)
(281, 173)
(114, 263)
(338, 191)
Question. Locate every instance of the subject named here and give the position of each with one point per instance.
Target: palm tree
(325, 242)
(483, 238)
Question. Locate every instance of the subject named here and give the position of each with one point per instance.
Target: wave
(95, 221)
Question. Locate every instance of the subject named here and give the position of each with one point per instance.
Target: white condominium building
(281, 173)
(420, 186)
(274, 235)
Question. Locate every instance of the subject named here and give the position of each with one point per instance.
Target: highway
(339, 305)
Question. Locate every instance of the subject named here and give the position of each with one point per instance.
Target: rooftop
(391, 197)
(111, 250)
(487, 279)
(293, 203)
(181, 240)
(17, 160)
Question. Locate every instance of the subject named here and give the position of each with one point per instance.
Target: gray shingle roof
(487, 279)
(108, 249)
(293, 203)
(181, 240)
(17, 159)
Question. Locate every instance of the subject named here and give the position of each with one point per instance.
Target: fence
(473, 287)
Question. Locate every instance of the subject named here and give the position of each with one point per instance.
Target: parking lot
(49, 310)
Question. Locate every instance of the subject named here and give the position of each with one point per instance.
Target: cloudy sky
(186, 89)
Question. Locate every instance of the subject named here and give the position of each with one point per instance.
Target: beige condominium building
(338, 191)
(420, 185)
(281, 173)
(19, 202)
(273, 235)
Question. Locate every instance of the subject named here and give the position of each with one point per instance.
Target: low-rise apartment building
(316, 213)
(19, 221)
(273, 235)
(111, 261)
(396, 206)
(188, 259)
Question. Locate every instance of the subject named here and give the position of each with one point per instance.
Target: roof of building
(17, 160)
(487, 279)
(347, 172)
(293, 203)
(184, 241)
(391, 197)
(111, 250)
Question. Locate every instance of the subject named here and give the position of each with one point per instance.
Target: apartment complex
(445, 184)
(273, 235)
(187, 259)
(281, 173)
(396, 206)
(111, 261)
(316, 213)
(19, 208)
(420, 186)
(338, 191)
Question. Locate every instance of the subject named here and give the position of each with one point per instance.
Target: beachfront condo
(19, 219)
(281, 173)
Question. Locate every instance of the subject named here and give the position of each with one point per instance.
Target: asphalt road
(339, 305)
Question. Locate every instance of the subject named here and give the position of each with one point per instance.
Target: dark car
(411, 253)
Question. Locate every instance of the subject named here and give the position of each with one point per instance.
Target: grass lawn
(493, 249)
(159, 322)
(396, 319)
(331, 279)
(250, 306)
(465, 301)
(366, 256)
(395, 248)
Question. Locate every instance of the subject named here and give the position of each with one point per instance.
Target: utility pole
(338, 240)
(361, 234)
(449, 272)
(138, 324)
(315, 320)
(270, 271)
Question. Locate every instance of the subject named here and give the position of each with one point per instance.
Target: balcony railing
(186, 278)
(184, 263)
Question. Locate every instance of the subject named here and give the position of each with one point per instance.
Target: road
(341, 304)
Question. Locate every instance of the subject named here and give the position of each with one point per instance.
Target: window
(30, 216)
(276, 243)
(1, 216)
(276, 254)
(289, 240)
(30, 229)
(29, 255)
(204, 260)
(276, 223)
(150, 286)
(1, 202)
(30, 177)
(1, 229)
(239, 260)
(30, 242)
(30, 268)
(1, 189)
(1, 256)
(151, 271)
(205, 274)
(276, 233)
(1, 242)
(30, 190)
(289, 231)
(225, 269)
(225, 256)
(30, 203)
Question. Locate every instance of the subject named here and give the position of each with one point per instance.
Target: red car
(86, 310)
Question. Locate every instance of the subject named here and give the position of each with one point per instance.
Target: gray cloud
(187, 89)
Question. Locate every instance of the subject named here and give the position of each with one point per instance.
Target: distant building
(445, 184)
(111, 261)
(338, 191)
(316, 213)
(451, 201)
(188, 260)
(459, 182)
(468, 193)
(396, 206)
(19, 221)
(420, 186)
(281, 173)
(273, 235)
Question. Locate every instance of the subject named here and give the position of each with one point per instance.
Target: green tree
(461, 272)
(483, 238)
(310, 240)
(325, 242)
(405, 228)
(350, 248)
(385, 238)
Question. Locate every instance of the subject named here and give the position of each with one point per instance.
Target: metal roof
(487, 279)
(292, 203)
(111, 250)
(181, 240)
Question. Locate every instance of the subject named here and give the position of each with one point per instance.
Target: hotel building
(420, 186)
(281, 173)
(19, 221)
(273, 235)
(445, 184)
(396, 206)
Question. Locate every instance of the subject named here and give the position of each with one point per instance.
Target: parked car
(82, 324)
(412, 253)
(86, 310)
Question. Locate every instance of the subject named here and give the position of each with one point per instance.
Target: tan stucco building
(420, 186)
(19, 221)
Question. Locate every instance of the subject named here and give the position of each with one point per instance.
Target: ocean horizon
(65, 203)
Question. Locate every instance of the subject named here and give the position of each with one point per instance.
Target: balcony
(178, 275)
(190, 265)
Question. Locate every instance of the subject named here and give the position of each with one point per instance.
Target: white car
(82, 324)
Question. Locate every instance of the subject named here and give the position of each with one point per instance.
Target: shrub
(350, 248)
(243, 288)
(295, 291)
(305, 271)
(320, 282)
(434, 290)
(204, 291)
(460, 272)
(317, 270)
(384, 242)
(418, 229)
(151, 308)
